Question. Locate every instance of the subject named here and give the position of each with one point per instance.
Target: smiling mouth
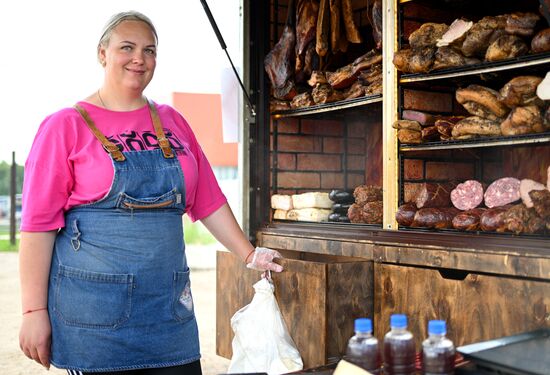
(136, 71)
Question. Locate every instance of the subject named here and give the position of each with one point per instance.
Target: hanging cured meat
(352, 33)
(377, 23)
(335, 7)
(306, 26)
(279, 62)
(323, 28)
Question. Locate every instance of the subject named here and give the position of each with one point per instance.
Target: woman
(104, 278)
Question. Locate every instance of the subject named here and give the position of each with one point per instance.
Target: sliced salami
(502, 192)
(467, 195)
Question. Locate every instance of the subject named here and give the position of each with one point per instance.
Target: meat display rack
(328, 107)
(479, 142)
(485, 67)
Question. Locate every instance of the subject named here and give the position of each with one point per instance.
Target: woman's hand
(35, 337)
(262, 260)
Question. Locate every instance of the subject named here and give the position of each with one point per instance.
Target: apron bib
(119, 292)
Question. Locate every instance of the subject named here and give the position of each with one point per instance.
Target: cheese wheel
(311, 200)
(308, 214)
(281, 202)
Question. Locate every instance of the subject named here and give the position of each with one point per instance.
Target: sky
(49, 56)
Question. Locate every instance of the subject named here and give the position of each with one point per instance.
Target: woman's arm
(35, 255)
(222, 224)
(224, 227)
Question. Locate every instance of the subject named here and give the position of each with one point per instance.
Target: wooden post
(12, 198)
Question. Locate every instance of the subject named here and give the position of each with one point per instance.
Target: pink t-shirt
(67, 166)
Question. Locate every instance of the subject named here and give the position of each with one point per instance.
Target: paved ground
(203, 280)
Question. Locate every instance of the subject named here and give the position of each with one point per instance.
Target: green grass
(196, 233)
(5, 245)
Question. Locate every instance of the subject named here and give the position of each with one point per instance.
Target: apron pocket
(182, 300)
(168, 200)
(91, 299)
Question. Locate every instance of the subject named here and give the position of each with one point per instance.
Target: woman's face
(130, 56)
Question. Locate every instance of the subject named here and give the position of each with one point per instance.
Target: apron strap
(161, 136)
(109, 146)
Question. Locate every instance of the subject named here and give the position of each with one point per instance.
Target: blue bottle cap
(363, 325)
(398, 321)
(437, 327)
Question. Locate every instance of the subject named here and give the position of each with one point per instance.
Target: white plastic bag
(262, 342)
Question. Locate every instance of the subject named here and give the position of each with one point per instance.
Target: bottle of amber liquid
(399, 349)
(438, 352)
(363, 348)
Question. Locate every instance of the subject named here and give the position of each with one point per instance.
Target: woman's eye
(126, 48)
(151, 51)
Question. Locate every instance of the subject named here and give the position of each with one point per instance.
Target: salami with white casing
(467, 195)
(502, 192)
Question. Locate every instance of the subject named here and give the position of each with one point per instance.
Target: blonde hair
(117, 19)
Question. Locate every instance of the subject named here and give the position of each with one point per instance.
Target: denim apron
(119, 292)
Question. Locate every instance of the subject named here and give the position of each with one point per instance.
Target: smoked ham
(475, 126)
(541, 203)
(427, 35)
(482, 34)
(523, 120)
(520, 219)
(456, 33)
(506, 47)
(279, 62)
(522, 24)
(525, 187)
(481, 101)
(541, 41)
(520, 91)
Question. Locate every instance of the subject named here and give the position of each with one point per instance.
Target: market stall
(399, 159)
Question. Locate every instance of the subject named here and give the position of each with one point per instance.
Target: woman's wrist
(248, 257)
(34, 310)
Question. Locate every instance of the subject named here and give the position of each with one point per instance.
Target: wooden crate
(319, 297)
(476, 306)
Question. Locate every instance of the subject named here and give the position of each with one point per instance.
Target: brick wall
(323, 154)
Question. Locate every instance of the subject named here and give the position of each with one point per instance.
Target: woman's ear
(101, 56)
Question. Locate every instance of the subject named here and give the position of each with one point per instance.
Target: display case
(426, 272)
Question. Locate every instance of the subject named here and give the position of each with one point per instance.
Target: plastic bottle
(363, 349)
(438, 352)
(399, 349)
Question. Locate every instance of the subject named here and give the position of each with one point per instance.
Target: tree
(5, 174)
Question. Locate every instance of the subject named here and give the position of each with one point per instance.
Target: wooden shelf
(329, 107)
(480, 142)
(517, 63)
